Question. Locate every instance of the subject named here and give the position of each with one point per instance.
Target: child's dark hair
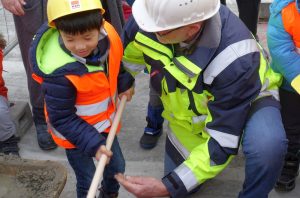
(80, 22)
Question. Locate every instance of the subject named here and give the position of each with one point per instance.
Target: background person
(284, 44)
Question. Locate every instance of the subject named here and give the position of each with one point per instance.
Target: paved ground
(139, 161)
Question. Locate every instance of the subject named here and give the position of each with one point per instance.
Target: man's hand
(128, 93)
(143, 187)
(14, 6)
(103, 151)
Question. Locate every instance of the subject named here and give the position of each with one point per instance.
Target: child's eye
(87, 38)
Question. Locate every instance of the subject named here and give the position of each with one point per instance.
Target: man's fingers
(121, 178)
(126, 183)
(19, 9)
(15, 7)
(23, 2)
(125, 179)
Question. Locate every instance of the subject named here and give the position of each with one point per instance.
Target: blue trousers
(84, 169)
(264, 146)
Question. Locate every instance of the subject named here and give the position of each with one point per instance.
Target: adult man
(214, 83)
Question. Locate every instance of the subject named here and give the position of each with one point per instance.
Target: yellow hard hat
(59, 8)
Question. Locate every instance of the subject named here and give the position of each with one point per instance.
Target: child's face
(81, 44)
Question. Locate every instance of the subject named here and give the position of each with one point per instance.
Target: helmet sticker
(74, 4)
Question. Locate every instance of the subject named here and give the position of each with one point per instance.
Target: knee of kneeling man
(274, 150)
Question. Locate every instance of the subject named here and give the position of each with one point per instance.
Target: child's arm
(60, 97)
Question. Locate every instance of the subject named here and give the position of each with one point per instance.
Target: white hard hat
(160, 15)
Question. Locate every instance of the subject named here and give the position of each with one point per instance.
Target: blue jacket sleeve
(60, 98)
(233, 90)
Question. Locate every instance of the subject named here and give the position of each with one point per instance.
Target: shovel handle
(110, 138)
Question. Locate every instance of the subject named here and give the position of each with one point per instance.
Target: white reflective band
(56, 133)
(92, 109)
(224, 139)
(101, 126)
(201, 118)
(187, 177)
(298, 50)
(273, 93)
(265, 85)
(133, 67)
(227, 56)
(183, 151)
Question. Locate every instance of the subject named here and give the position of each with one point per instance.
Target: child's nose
(80, 46)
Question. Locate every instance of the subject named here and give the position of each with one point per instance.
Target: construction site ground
(138, 160)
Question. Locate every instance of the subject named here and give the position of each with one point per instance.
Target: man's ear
(195, 27)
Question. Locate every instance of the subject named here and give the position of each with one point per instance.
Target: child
(77, 61)
(8, 140)
(284, 44)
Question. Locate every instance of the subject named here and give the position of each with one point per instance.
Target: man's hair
(2, 42)
(80, 22)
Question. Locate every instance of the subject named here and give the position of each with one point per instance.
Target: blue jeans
(264, 146)
(84, 169)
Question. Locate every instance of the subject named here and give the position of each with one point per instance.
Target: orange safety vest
(291, 23)
(96, 100)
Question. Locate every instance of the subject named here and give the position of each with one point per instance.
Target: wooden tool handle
(110, 138)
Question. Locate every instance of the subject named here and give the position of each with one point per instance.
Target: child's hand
(128, 93)
(103, 151)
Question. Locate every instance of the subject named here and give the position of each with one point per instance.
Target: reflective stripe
(265, 86)
(101, 126)
(273, 93)
(92, 109)
(187, 177)
(183, 151)
(197, 119)
(265, 92)
(186, 66)
(227, 56)
(298, 50)
(55, 132)
(153, 45)
(224, 139)
(133, 67)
